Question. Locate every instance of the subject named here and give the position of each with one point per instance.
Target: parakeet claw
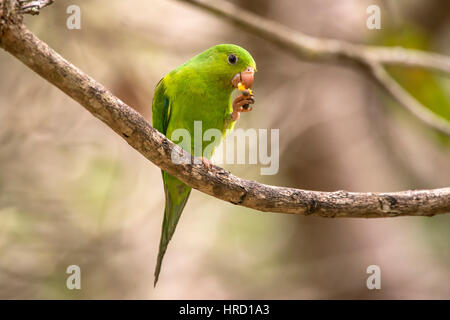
(242, 104)
(206, 163)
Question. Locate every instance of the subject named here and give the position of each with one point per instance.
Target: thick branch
(25, 46)
(330, 50)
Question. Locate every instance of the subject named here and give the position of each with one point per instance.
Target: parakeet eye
(232, 59)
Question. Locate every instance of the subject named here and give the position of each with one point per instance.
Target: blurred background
(73, 192)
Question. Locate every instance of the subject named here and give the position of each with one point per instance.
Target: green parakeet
(199, 90)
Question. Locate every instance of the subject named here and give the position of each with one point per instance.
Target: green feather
(198, 90)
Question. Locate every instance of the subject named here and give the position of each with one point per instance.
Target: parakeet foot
(242, 104)
(207, 163)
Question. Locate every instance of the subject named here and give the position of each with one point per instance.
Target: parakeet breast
(199, 104)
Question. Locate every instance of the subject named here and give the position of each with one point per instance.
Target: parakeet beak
(245, 77)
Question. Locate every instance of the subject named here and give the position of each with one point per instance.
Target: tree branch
(37, 55)
(370, 58)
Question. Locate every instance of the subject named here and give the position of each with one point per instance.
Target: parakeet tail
(177, 194)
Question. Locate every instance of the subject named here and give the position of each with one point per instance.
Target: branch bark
(16, 39)
(370, 58)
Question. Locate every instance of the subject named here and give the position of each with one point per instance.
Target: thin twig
(33, 7)
(407, 100)
(371, 58)
(131, 126)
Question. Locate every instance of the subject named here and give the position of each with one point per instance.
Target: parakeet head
(227, 65)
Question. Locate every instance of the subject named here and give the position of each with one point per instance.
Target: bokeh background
(73, 192)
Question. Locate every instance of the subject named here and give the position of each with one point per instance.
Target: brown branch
(25, 46)
(338, 51)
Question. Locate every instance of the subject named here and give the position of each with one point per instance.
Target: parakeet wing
(160, 108)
